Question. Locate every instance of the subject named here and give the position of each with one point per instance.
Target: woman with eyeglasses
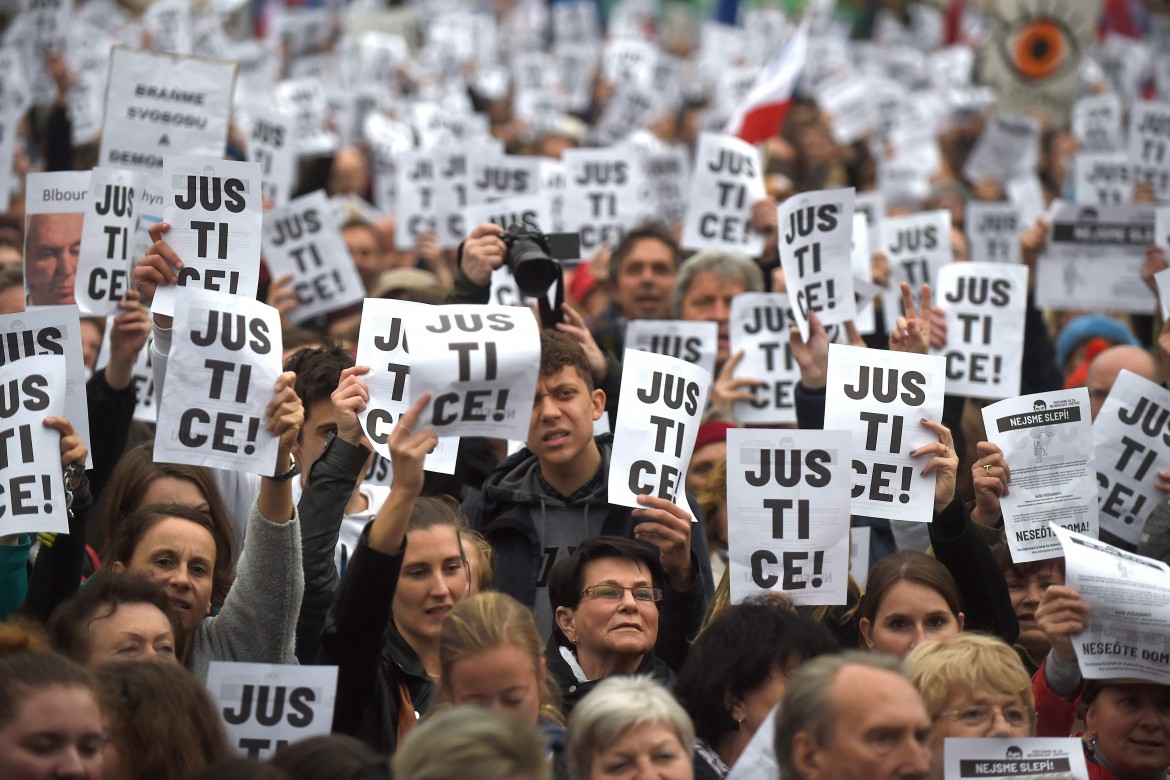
(407, 572)
(605, 602)
(973, 685)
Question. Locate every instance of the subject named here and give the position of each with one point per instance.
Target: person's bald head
(1106, 366)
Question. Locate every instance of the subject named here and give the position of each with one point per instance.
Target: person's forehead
(864, 694)
(707, 282)
(616, 569)
(565, 375)
(648, 250)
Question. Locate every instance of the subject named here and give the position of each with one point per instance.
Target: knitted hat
(1087, 327)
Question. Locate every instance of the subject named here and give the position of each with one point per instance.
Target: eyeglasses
(981, 715)
(614, 592)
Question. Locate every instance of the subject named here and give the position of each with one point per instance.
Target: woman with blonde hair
(490, 656)
(973, 685)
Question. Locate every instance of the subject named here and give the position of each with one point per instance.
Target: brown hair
(130, 480)
(558, 351)
(161, 719)
(123, 538)
(487, 621)
(469, 537)
(104, 592)
(908, 566)
(26, 666)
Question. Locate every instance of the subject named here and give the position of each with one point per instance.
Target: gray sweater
(259, 617)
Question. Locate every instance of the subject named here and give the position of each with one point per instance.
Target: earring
(738, 722)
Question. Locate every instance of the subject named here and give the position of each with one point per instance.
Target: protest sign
(861, 263)
(1126, 632)
(450, 189)
(163, 104)
(1096, 123)
(32, 492)
(54, 207)
(1009, 145)
(167, 26)
(1047, 442)
(879, 397)
(759, 328)
(668, 171)
(1149, 146)
(528, 211)
(694, 342)
(302, 238)
(604, 195)
(265, 707)
(105, 261)
(859, 541)
(224, 361)
(51, 330)
(662, 403)
(788, 513)
(414, 192)
(985, 305)
(306, 102)
(1094, 259)
(850, 105)
(387, 140)
(43, 26)
(993, 232)
(816, 245)
(727, 182)
(382, 346)
(142, 376)
(215, 213)
(1130, 437)
(1102, 178)
(873, 205)
(9, 120)
(479, 363)
(916, 246)
(271, 145)
(1017, 758)
(496, 177)
(552, 189)
(1162, 280)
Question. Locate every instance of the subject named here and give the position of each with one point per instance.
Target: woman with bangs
(407, 572)
(973, 685)
(1027, 583)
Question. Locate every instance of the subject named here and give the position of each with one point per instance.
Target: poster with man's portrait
(54, 215)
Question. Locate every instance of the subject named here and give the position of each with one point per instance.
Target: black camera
(533, 257)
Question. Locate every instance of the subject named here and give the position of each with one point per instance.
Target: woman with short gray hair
(630, 727)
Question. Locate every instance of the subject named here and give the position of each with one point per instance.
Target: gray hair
(446, 745)
(617, 704)
(809, 704)
(725, 265)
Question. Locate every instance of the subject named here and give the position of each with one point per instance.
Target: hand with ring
(945, 464)
(990, 477)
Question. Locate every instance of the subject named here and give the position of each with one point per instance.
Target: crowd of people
(507, 620)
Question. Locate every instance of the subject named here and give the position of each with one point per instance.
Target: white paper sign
(223, 366)
(382, 346)
(163, 104)
(1130, 439)
(694, 342)
(1047, 441)
(479, 363)
(1094, 259)
(727, 181)
(530, 211)
(662, 404)
(302, 238)
(271, 144)
(105, 261)
(816, 245)
(1014, 758)
(916, 246)
(54, 205)
(51, 330)
(267, 706)
(788, 513)
(1103, 178)
(985, 305)
(759, 328)
(215, 212)
(859, 540)
(1126, 632)
(1149, 146)
(1009, 145)
(451, 189)
(33, 494)
(142, 376)
(603, 195)
(993, 232)
(879, 397)
(1096, 123)
(504, 176)
(415, 205)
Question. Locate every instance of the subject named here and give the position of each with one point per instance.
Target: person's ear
(1091, 718)
(962, 621)
(598, 397)
(866, 629)
(542, 672)
(735, 707)
(117, 567)
(806, 755)
(566, 622)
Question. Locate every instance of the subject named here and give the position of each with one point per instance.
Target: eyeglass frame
(989, 716)
(656, 593)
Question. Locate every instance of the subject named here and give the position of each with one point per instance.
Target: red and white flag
(758, 117)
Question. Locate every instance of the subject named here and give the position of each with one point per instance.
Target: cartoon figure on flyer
(1041, 435)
